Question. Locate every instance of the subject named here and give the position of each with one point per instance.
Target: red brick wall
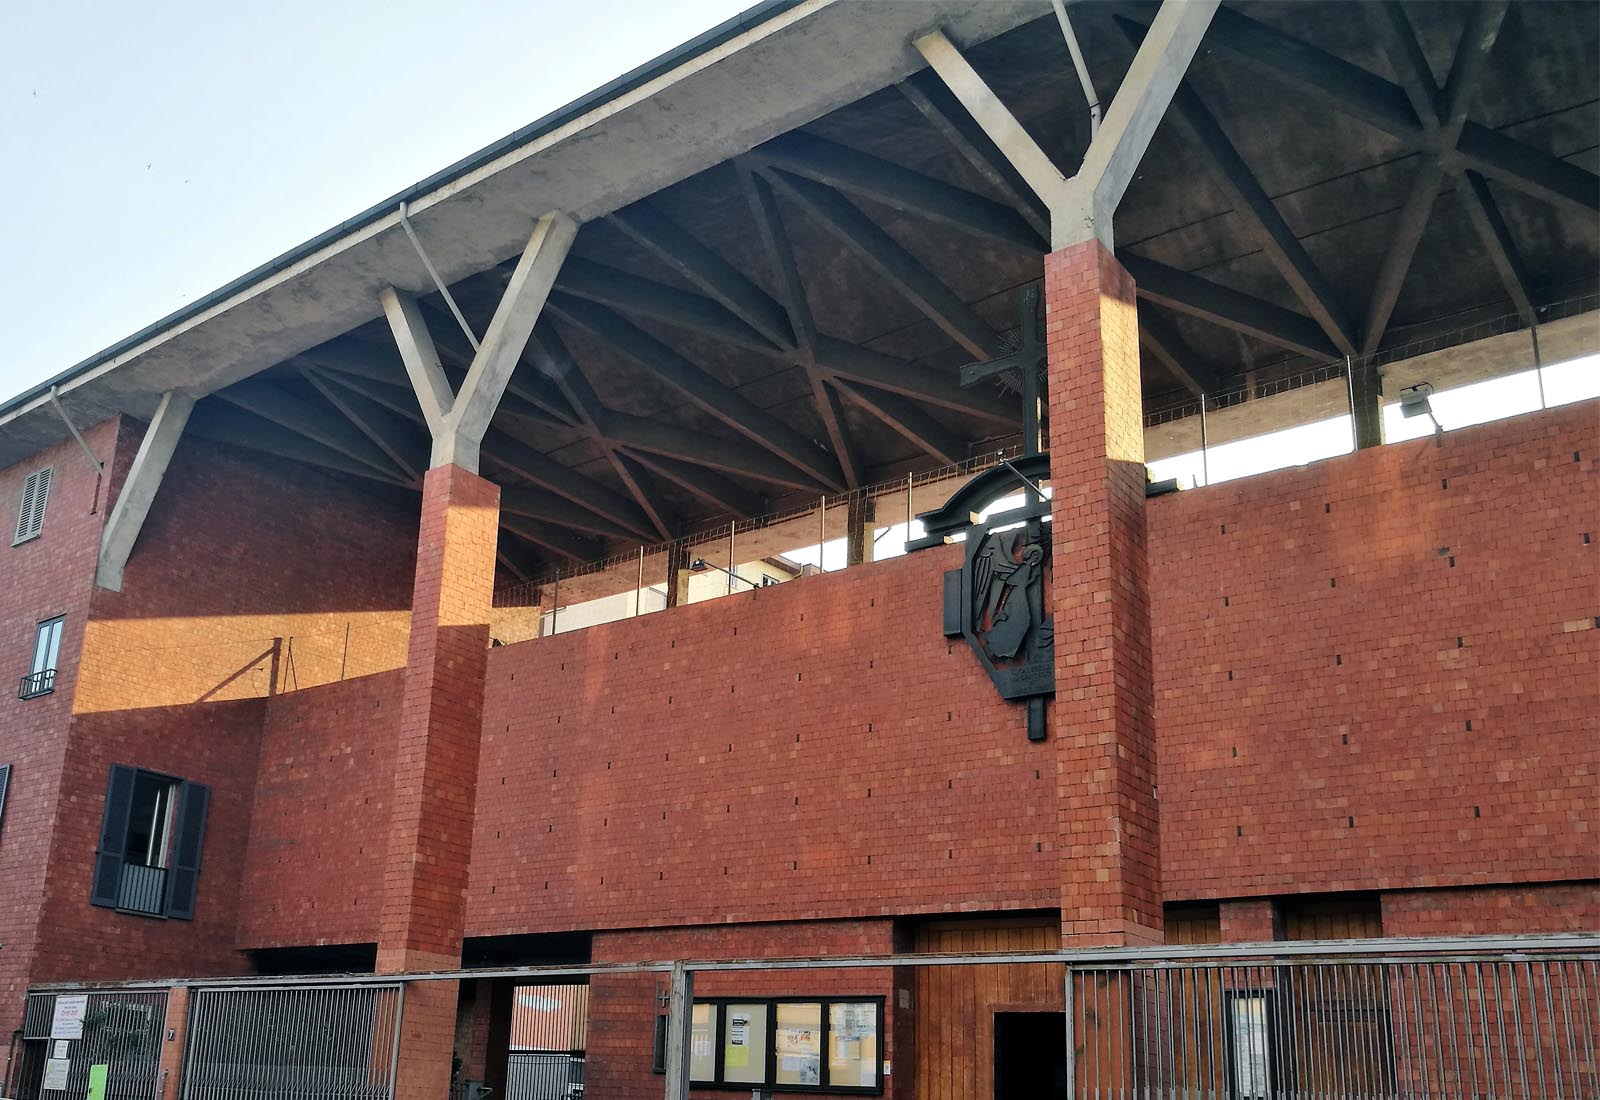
(1323, 637)
(815, 749)
(1493, 911)
(591, 737)
(216, 744)
(51, 575)
(622, 1008)
(314, 870)
(238, 550)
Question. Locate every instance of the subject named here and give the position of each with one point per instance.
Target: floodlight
(1414, 401)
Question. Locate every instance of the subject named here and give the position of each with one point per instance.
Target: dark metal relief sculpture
(999, 599)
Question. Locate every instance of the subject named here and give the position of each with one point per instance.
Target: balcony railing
(143, 890)
(38, 683)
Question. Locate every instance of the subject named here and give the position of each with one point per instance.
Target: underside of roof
(790, 318)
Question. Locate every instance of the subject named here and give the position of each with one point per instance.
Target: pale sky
(155, 151)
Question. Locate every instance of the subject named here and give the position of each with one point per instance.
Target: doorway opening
(1030, 1056)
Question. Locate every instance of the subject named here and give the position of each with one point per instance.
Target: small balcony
(38, 683)
(143, 890)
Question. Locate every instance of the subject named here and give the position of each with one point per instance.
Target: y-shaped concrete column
(441, 713)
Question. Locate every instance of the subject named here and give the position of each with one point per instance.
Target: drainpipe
(1077, 63)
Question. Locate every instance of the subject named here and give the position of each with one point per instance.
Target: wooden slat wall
(1341, 917)
(955, 1005)
(1193, 924)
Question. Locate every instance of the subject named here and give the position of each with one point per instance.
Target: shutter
(183, 877)
(5, 782)
(30, 489)
(30, 512)
(40, 496)
(113, 838)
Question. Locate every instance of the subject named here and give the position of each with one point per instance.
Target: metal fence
(121, 1030)
(544, 1075)
(331, 1042)
(1473, 1018)
(1462, 1027)
(824, 534)
(1294, 372)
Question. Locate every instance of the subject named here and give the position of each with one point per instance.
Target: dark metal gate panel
(121, 1030)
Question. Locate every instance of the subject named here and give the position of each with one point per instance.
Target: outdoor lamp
(1414, 401)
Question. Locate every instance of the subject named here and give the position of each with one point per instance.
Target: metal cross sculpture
(998, 599)
(1028, 361)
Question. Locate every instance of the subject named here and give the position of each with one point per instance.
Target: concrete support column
(678, 558)
(174, 1041)
(1102, 724)
(1250, 920)
(1366, 404)
(858, 531)
(436, 768)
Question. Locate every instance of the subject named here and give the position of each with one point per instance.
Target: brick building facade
(638, 787)
(278, 716)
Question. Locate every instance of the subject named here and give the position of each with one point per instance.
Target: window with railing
(149, 857)
(41, 677)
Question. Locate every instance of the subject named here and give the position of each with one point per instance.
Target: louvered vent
(30, 516)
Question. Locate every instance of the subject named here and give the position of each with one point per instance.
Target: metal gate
(1467, 1027)
(329, 1042)
(121, 1031)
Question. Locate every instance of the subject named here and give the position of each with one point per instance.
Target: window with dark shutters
(30, 509)
(151, 838)
(5, 785)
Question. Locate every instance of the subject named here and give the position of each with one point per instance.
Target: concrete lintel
(458, 421)
(995, 119)
(1141, 102)
(139, 490)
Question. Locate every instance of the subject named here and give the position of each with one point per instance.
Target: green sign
(97, 1083)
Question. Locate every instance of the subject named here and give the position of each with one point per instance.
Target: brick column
(436, 766)
(1101, 721)
(172, 1049)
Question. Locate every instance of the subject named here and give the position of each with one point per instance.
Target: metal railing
(730, 555)
(38, 683)
(1462, 1026)
(293, 1040)
(1292, 373)
(544, 1075)
(1397, 1019)
(142, 890)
